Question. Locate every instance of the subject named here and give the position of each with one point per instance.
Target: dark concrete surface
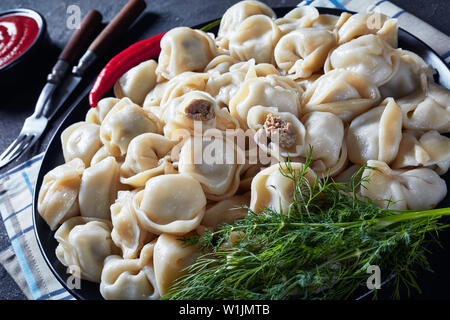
(160, 16)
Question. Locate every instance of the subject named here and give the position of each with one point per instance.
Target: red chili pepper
(121, 63)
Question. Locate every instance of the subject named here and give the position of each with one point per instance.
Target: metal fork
(32, 129)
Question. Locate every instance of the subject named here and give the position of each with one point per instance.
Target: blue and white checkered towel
(23, 259)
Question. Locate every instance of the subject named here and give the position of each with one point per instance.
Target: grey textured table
(161, 16)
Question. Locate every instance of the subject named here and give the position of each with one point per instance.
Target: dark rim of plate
(44, 235)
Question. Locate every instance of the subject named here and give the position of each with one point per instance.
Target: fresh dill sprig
(320, 249)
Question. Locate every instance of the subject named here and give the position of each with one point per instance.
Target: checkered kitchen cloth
(23, 259)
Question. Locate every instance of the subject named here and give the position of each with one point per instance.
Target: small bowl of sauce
(22, 34)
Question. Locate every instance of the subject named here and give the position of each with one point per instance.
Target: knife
(115, 29)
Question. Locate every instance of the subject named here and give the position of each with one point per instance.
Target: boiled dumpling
(256, 38)
(419, 149)
(98, 189)
(130, 279)
(272, 189)
(300, 17)
(154, 97)
(215, 162)
(416, 189)
(170, 257)
(330, 21)
(369, 23)
(375, 134)
(270, 91)
(125, 121)
(427, 109)
(279, 133)
(58, 196)
(182, 84)
(226, 211)
(184, 49)
(221, 64)
(81, 140)
(83, 245)
(137, 82)
(223, 86)
(369, 56)
(302, 52)
(148, 155)
(342, 92)
(237, 13)
(126, 232)
(171, 203)
(196, 111)
(97, 115)
(412, 74)
(325, 135)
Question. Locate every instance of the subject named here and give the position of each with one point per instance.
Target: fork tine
(11, 147)
(17, 150)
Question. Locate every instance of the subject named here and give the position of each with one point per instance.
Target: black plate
(54, 156)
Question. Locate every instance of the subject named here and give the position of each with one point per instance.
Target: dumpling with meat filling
(369, 56)
(423, 149)
(279, 133)
(361, 24)
(137, 82)
(272, 189)
(83, 245)
(215, 162)
(268, 91)
(81, 140)
(325, 135)
(148, 155)
(170, 203)
(98, 188)
(125, 121)
(427, 109)
(300, 17)
(196, 111)
(126, 232)
(170, 259)
(302, 52)
(226, 211)
(58, 196)
(237, 13)
(412, 74)
(130, 279)
(97, 115)
(256, 38)
(221, 64)
(375, 134)
(184, 49)
(342, 92)
(416, 189)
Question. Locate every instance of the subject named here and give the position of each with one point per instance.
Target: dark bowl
(20, 67)
(53, 157)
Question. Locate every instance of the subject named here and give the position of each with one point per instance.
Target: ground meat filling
(200, 110)
(275, 126)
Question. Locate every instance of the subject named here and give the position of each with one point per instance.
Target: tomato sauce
(17, 34)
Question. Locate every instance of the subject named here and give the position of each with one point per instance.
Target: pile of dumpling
(130, 187)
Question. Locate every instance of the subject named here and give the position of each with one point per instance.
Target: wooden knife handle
(118, 26)
(82, 37)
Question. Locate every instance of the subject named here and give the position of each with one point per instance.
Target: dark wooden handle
(118, 26)
(82, 37)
